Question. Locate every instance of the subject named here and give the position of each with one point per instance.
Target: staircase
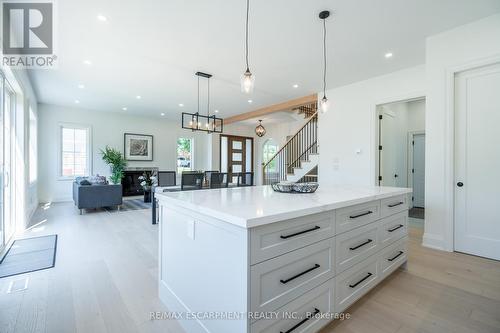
(297, 160)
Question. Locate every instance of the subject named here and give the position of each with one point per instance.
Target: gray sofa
(96, 195)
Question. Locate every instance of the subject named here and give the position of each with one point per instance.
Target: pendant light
(199, 122)
(260, 130)
(247, 79)
(324, 103)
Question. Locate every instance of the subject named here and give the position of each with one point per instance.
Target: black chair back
(245, 179)
(192, 180)
(208, 176)
(218, 180)
(166, 178)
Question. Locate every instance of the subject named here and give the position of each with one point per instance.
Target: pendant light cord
(246, 35)
(324, 58)
(198, 95)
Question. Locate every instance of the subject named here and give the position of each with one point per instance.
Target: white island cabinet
(250, 259)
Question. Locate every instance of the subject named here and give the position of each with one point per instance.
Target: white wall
(108, 129)
(347, 132)
(462, 48)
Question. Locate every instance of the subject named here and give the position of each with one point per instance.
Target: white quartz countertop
(252, 206)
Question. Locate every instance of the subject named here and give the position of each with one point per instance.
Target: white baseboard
(433, 241)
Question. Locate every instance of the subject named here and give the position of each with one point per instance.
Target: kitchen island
(253, 260)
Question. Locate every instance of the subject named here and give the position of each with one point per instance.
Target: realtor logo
(27, 28)
(28, 34)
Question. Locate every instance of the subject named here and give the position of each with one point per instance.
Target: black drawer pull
(316, 311)
(300, 274)
(300, 232)
(366, 277)
(395, 204)
(360, 245)
(395, 257)
(395, 228)
(362, 214)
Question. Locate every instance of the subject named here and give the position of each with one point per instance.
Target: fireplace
(131, 185)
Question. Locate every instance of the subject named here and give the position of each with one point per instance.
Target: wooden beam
(288, 105)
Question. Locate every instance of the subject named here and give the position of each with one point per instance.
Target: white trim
(447, 241)
(86, 127)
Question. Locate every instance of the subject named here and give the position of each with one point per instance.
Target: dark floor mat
(417, 212)
(130, 204)
(29, 255)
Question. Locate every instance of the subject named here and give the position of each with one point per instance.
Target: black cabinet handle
(300, 232)
(366, 277)
(360, 245)
(300, 274)
(316, 311)
(395, 204)
(359, 215)
(395, 228)
(460, 184)
(395, 257)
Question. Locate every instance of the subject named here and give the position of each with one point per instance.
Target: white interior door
(418, 170)
(477, 161)
(392, 155)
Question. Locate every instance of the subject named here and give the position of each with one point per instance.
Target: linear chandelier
(198, 122)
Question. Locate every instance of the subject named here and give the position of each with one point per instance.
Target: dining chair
(245, 179)
(192, 180)
(208, 176)
(218, 180)
(166, 178)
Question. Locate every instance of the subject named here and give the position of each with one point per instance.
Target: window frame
(86, 127)
(32, 155)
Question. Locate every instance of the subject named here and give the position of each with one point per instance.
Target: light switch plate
(190, 229)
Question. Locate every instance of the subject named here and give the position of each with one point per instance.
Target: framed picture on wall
(138, 147)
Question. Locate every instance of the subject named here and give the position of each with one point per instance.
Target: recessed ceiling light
(87, 62)
(295, 85)
(388, 55)
(81, 86)
(216, 111)
(250, 101)
(102, 18)
(162, 114)
(124, 108)
(138, 96)
(181, 105)
(77, 101)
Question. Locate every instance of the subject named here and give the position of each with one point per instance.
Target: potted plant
(147, 179)
(117, 163)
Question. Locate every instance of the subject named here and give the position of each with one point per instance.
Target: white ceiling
(153, 48)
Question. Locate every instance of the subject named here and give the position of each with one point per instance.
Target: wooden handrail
(315, 115)
(305, 151)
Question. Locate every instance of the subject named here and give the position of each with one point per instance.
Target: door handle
(460, 184)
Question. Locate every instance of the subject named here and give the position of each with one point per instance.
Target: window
(75, 151)
(269, 149)
(184, 154)
(32, 147)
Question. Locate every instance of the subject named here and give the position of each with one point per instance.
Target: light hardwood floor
(105, 280)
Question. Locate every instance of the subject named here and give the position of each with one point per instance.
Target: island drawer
(348, 218)
(356, 245)
(355, 282)
(393, 256)
(307, 313)
(277, 281)
(278, 238)
(393, 228)
(393, 205)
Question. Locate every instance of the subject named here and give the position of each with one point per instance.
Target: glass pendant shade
(260, 130)
(247, 82)
(324, 104)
